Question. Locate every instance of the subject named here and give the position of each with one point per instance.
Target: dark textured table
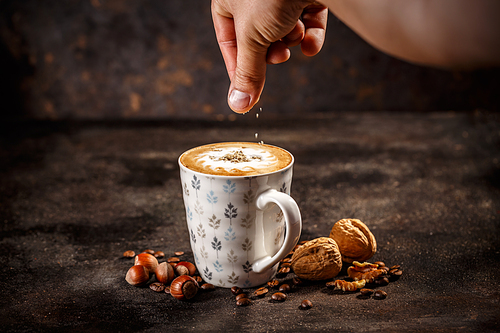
(75, 196)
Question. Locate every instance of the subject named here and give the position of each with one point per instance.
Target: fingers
(277, 53)
(249, 77)
(315, 19)
(226, 37)
(252, 36)
(295, 36)
(244, 58)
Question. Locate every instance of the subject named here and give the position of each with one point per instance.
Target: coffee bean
(261, 292)
(173, 260)
(273, 283)
(243, 302)
(129, 254)
(306, 305)
(380, 264)
(286, 260)
(198, 279)
(395, 275)
(149, 251)
(395, 267)
(379, 294)
(284, 271)
(157, 286)
(207, 286)
(285, 264)
(178, 253)
(330, 285)
(236, 290)
(296, 281)
(242, 295)
(167, 289)
(383, 281)
(159, 254)
(278, 297)
(366, 292)
(284, 288)
(396, 271)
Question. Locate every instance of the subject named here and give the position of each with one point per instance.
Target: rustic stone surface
(74, 197)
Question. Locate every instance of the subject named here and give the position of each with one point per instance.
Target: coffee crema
(236, 159)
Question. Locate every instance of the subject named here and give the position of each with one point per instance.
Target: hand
(253, 33)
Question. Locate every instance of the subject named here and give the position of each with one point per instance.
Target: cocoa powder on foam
(236, 159)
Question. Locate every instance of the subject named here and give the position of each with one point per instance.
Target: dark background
(157, 59)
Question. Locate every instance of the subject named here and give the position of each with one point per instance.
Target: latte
(236, 159)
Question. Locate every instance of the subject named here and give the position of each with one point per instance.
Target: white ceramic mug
(240, 227)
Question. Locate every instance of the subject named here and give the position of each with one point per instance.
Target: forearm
(446, 33)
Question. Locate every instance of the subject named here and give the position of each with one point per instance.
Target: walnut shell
(318, 259)
(355, 240)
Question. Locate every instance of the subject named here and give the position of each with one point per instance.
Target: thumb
(249, 76)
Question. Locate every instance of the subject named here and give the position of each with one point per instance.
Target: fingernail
(238, 99)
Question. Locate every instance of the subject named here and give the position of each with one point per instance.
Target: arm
(443, 33)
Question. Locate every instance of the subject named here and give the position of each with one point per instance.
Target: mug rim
(290, 165)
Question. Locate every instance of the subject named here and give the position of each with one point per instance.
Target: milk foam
(215, 159)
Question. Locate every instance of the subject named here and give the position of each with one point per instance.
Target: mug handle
(293, 222)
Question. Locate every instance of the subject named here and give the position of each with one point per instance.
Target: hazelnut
(147, 260)
(185, 268)
(355, 240)
(137, 275)
(164, 273)
(318, 259)
(184, 287)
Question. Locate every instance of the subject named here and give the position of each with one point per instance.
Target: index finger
(226, 38)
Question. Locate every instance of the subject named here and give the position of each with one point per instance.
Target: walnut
(355, 240)
(346, 285)
(318, 259)
(365, 271)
